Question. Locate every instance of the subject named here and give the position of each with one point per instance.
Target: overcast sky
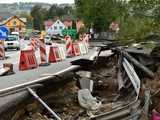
(46, 1)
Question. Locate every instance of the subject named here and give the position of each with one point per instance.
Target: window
(60, 27)
(14, 23)
(55, 27)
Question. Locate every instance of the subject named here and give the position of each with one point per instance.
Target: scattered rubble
(122, 86)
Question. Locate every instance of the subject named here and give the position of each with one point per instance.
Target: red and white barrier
(34, 43)
(2, 50)
(62, 51)
(69, 46)
(43, 54)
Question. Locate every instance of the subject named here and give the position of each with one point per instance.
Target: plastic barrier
(54, 54)
(27, 60)
(69, 46)
(76, 49)
(82, 48)
(34, 43)
(86, 46)
(43, 54)
(62, 50)
(2, 52)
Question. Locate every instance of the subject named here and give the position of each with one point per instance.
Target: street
(21, 77)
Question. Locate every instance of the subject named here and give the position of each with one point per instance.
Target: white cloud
(45, 1)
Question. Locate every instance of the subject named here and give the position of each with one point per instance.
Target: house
(48, 24)
(68, 23)
(15, 23)
(56, 28)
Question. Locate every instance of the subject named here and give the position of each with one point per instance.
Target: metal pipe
(43, 103)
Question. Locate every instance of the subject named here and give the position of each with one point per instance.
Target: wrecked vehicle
(118, 84)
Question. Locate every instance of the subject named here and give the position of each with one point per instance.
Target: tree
(39, 15)
(28, 17)
(99, 13)
(58, 11)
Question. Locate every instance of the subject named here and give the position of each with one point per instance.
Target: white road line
(42, 78)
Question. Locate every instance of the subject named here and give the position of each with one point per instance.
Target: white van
(12, 42)
(15, 33)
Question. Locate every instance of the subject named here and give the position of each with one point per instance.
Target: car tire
(18, 48)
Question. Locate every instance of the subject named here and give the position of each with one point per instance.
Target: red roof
(48, 23)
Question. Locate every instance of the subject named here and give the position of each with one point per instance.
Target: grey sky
(46, 1)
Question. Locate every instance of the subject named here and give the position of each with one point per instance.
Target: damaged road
(118, 84)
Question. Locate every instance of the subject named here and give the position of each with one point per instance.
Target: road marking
(42, 78)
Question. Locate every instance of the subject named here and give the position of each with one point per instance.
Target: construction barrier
(69, 46)
(86, 46)
(62, 50)
(2, 50)
(76, 49)
(43, 54)
(34, 43)
(86, 38)
(82, 48)
(54, 54)
(27, 60)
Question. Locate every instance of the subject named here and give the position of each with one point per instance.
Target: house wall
(67, 23)
(56, 28)
(14, 24)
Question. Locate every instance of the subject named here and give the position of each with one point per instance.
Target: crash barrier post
(43, 54)
(27, 60)
(54, 54)
(69, 46)
(2, 50)
(76, 49)
(34, 43)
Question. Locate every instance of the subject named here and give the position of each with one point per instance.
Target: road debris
(87, 101)
(7, 69)
(118, 86)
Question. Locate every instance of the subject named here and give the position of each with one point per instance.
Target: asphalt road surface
(21, 77)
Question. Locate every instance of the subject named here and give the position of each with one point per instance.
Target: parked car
(48, 40)
(16, 34)
(12, 42)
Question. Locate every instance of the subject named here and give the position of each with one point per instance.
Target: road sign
(70, 32)
(3, 32)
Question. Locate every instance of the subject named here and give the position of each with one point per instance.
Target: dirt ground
(104, 74)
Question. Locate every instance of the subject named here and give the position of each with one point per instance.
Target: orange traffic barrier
(76, 49)
(27, 60)
(43, 53)
(2, 51)
(69, 46)
(34, 43)
(54, 55)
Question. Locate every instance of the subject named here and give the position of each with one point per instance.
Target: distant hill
(7, 10)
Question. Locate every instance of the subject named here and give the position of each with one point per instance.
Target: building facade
(56, 28)
(15, 23)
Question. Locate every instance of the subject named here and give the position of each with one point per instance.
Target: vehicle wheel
(18, 48)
